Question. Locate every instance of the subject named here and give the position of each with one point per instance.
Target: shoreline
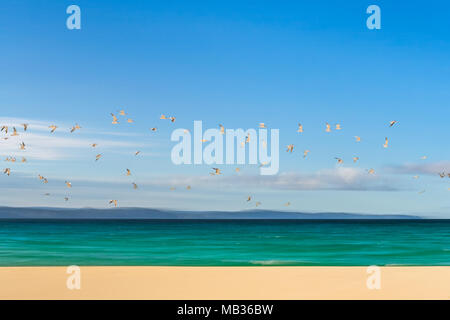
(238, 283)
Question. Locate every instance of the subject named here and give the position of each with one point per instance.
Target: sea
(45, 242)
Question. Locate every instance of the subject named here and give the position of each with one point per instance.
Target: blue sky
(236, 63)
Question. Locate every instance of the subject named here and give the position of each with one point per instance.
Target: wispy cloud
(342, 178)
(428, 168)
(52, 146)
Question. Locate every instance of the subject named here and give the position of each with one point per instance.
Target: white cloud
(342, 178)
(428, 168)
(50, 146)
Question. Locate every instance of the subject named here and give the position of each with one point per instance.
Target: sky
(236, 63)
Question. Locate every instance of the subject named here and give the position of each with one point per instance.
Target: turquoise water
(224, 243)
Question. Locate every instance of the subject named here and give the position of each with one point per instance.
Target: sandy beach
(224, 283)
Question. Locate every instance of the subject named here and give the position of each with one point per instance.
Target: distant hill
(144, 213)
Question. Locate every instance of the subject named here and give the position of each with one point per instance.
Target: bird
(249, 198)
(172, 119)
(392, 123)
(305, 153)
(442, 174)
(222, 129)
(290, 148)
(75, 127)
(25, 126)
(188, 187)
(114, 121)
(94, 145)
(68, 184)
(216, 171)
(53, 127)
(113, 202)
(97, 157)
(137, 152)
(134, 185)
(355, 159)
(130, 120)
(371, 171)
(386, 142)
(416, 177)
(339, 160)
(287, 204)
(163, 117)
(153, 129)
(300, 128)
(14, 132)
(328, 127)
(22, 146)
(24, 159)
(122, 112)
(421, 192)
(237, 169)
(262, 125)
(7, 171)
(258, 203)
(4, 128)
(338, 127)
(358, 139)
(66, 198)
(128, 172)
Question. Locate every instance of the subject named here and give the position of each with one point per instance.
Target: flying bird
(97, 157)
(114, 121)
(358, 139)
(14, 132)
(7, 171)
(113, 202)
(5, 128)
(386, 142)
(290, 148)
(249, 198)
(222, 129)
(130, 120)
(122, 112)
(338, 127)
(22, 146)
(68, 184)
(262, 125)
(25, 126)
(339, 160)
(94, 145)
(328, 127)
(258, 203)
(300, 128)
(216, 171)
(128, 172)
(287, 204)
(134, 186)
(371, 171)
(75, 127)
(137, 152)
(153, 129)
(355, 159)
(188, 187)
(305, 153)
(392, 123)
(53, 127)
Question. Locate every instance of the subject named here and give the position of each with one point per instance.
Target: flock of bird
(215, 171)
